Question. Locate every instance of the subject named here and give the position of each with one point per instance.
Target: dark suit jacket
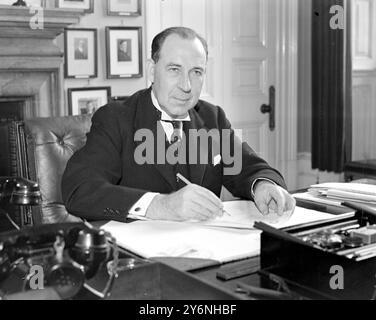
(80, 55)
(103, 180)
(124, 56)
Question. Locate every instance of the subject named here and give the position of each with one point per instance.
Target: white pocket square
(217, 160)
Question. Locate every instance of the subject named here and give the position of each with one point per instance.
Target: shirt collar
(164, 115)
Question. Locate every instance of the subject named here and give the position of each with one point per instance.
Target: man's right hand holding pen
(192, 202)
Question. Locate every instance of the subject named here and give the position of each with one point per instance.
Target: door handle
(270, 108)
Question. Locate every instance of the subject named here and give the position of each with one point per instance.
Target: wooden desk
(153, 280)
(208, 274)
(255, 279)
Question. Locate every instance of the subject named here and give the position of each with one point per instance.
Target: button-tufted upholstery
(50, 143)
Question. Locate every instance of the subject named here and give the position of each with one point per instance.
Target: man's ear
(150, 70)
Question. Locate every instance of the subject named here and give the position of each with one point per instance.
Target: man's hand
(272, 198)
(190, 203)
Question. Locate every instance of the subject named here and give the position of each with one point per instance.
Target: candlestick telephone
(66, 254)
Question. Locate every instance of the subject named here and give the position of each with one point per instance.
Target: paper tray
(290, 258)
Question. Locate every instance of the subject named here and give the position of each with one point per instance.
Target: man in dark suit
(123, 51)
(80, 52)
(127, 167)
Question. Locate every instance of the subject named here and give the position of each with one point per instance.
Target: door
(245, 39)
(249, 50)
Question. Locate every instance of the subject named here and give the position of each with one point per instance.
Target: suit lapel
(197, 170)
(147, 117)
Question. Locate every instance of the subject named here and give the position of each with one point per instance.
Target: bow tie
(159, 117)
(177, 127)
(176, 135)
(175, 123)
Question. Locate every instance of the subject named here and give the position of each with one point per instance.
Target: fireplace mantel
(30, 61)
(15, 22)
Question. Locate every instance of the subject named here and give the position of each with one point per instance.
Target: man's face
(178, 76)
(124, 46)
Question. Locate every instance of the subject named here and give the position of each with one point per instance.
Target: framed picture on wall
(87, 100)
(86, 5)
(81, 53)
(124, 52)
(124, 7)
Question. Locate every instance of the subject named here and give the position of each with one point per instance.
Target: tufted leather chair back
(50, 144)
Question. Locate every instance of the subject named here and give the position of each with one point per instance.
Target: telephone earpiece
(64, 274)
(19, 191)
(87, 252)
(91, 250)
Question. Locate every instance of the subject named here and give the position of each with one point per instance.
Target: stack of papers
(354, 192)
(316, 197)
(224, 239)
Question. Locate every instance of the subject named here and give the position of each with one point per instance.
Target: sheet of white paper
(193, 240)
(244, 214)
(173, 239)
(351, 196)
(317, 199)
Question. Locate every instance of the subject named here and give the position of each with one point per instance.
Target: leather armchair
(43, 147)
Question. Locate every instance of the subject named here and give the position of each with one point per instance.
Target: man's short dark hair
(183, 32)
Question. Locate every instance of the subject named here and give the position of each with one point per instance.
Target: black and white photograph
(81, 53)
(86, 5)
(124, 52)
(87, 100)
(220, 152)
(124, 8)
(81, 49)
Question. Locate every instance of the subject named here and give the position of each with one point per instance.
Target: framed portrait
(124, 7)
(81, 53)
(86, 5)
(124, 52)
(87, 100)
